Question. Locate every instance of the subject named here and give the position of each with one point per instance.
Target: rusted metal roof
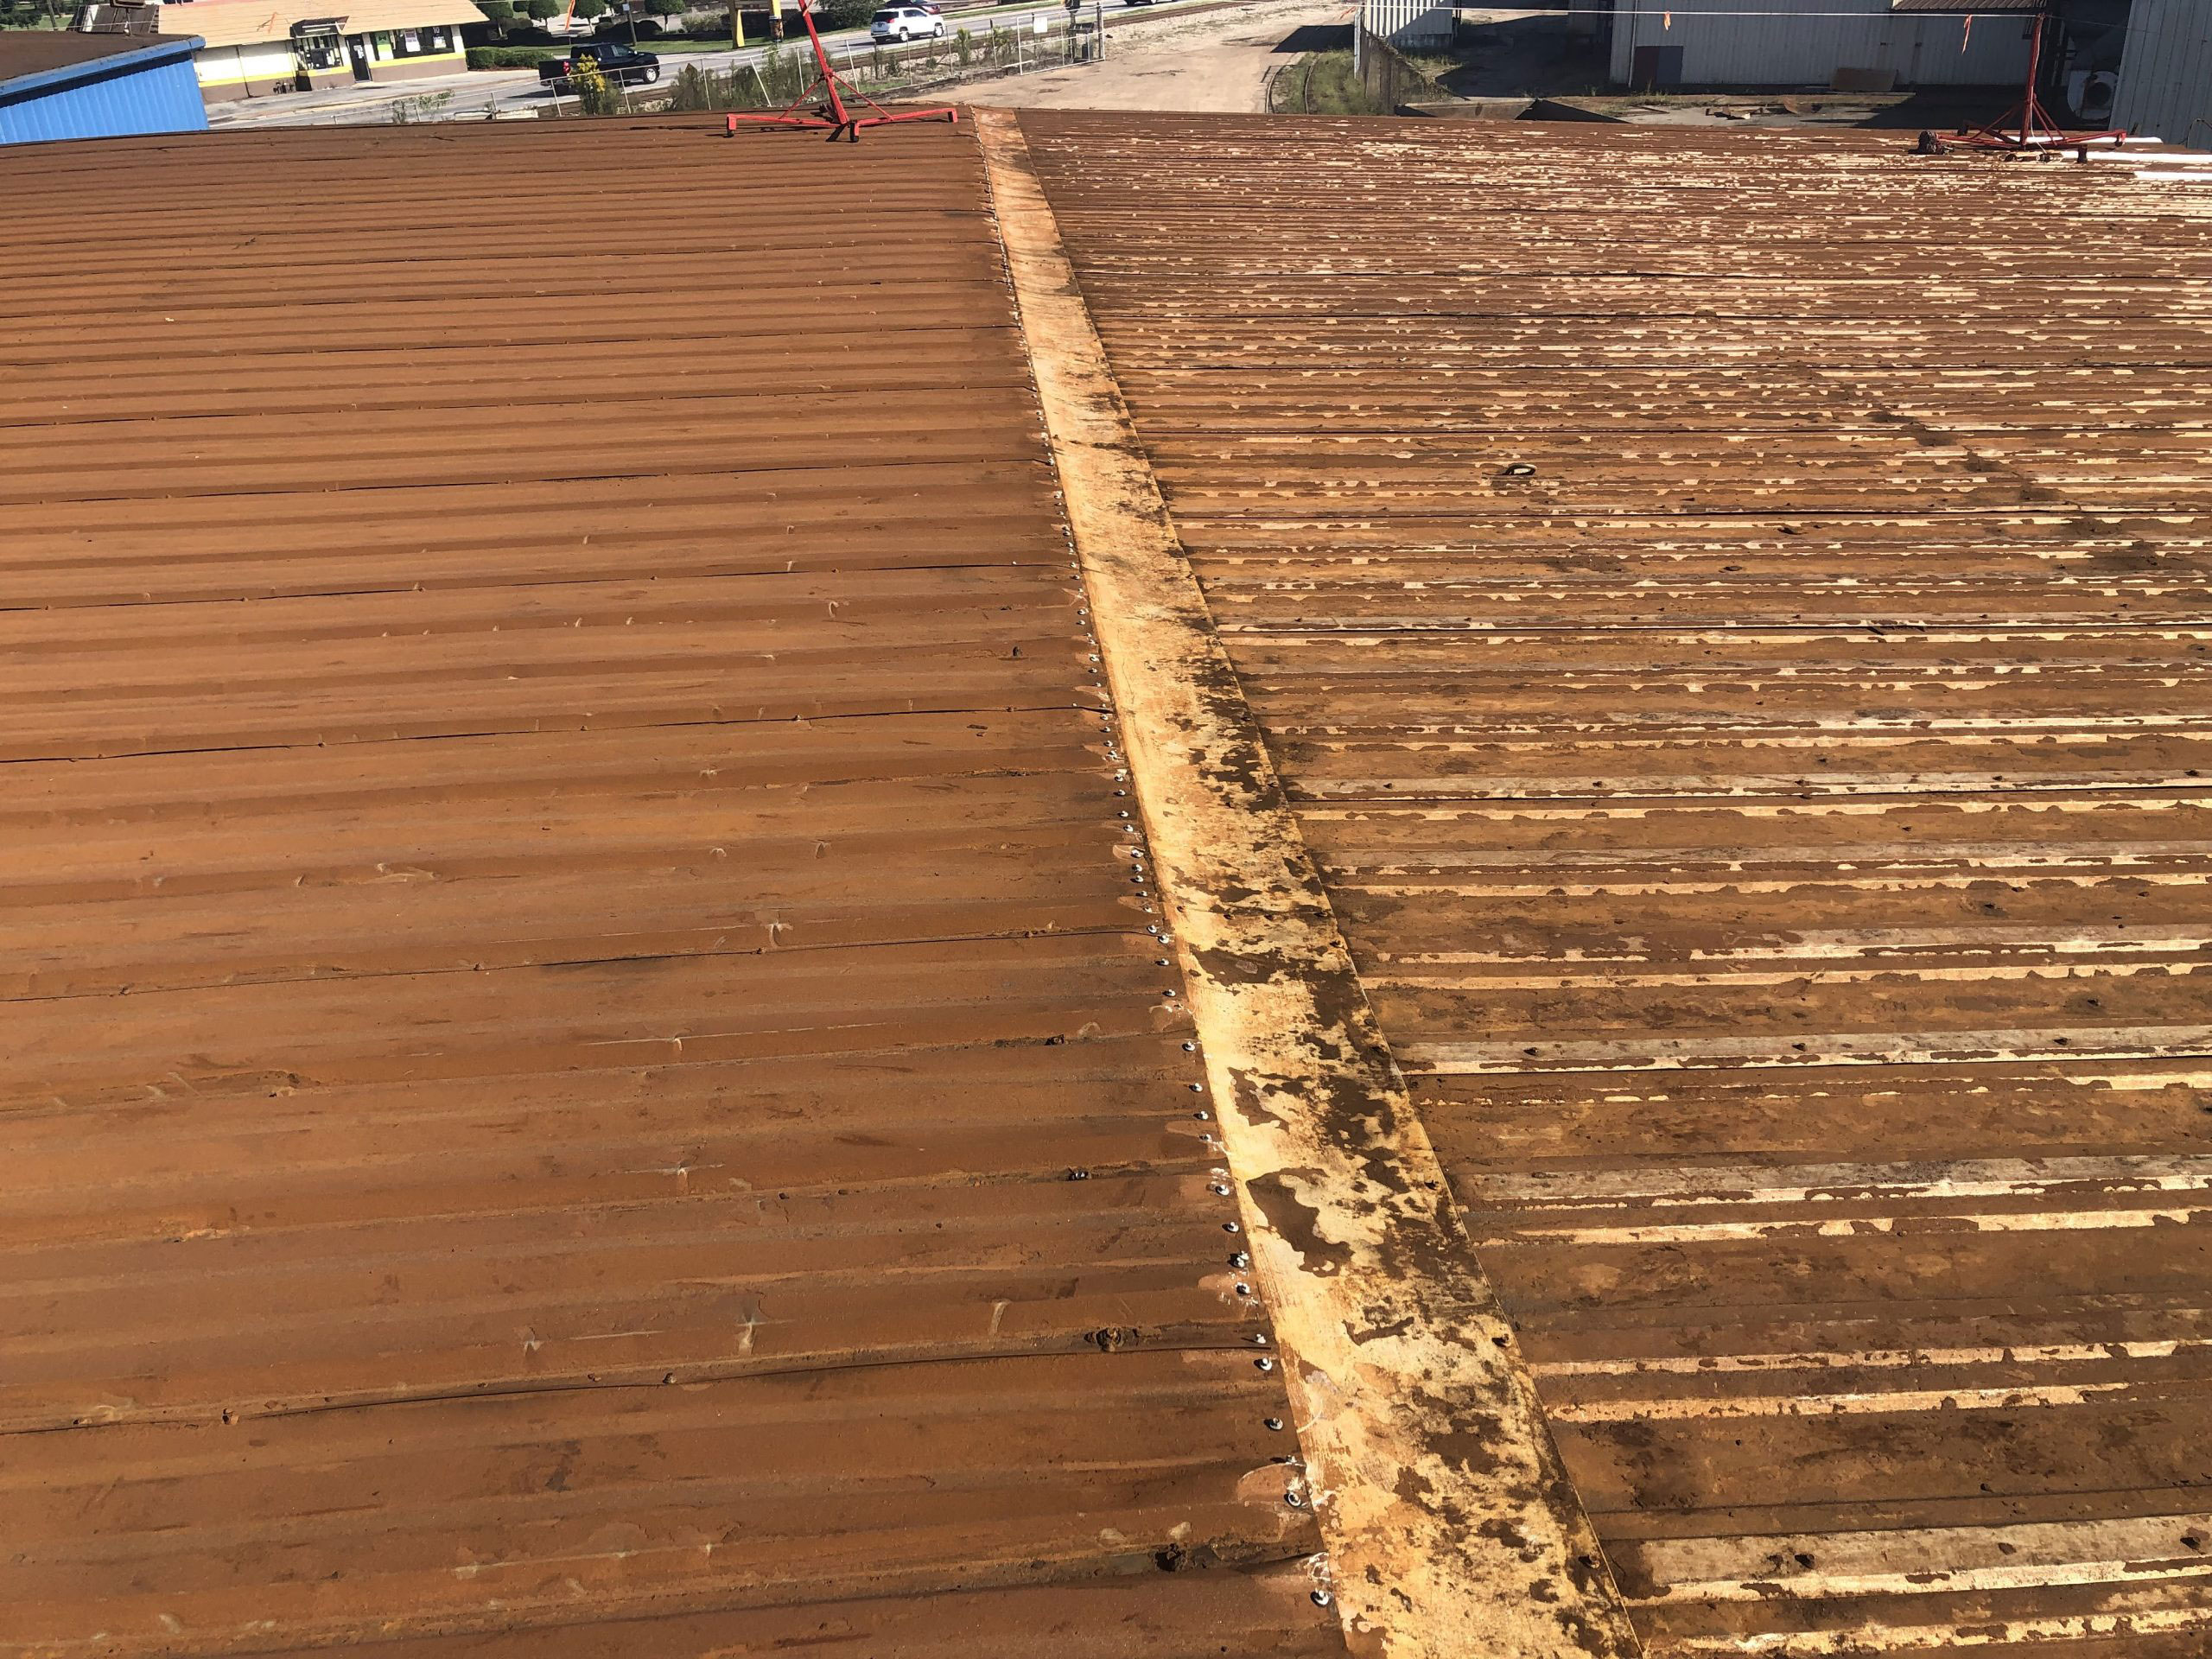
(1730, 614)
(584, 1068)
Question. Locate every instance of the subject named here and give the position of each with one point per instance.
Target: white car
(904, 24)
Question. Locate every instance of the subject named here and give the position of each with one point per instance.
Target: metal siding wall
(1799, 51)
(1408, 22)
(163, 99)
(2165, 73)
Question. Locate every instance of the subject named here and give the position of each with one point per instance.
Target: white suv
(904, 24)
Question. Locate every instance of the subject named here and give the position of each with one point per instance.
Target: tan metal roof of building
(33, 51)
(243, 22)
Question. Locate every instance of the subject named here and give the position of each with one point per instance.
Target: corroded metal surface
(582, 1070)
(1731, 612)
(1452, 1527)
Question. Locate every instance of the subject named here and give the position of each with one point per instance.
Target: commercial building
(59, 84)
(258, 48)
(1863, 45)
(2165, 73)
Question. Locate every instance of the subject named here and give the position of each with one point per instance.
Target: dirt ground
(1218, 62)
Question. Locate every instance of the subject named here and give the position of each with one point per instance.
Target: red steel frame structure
(830, 115)
(2036, 128)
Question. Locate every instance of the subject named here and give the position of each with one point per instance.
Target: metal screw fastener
(1240, 1260)
(1244, 1290)
(1321, 1597)
(1259, 1339)
(1275, 1423)
(1202, 1118)
(1263, 1363)
(1219, 1190)
(1190, 1048)
(1231, 1227)
(1160, 962)
(1198, 1088)
(1293, 1500)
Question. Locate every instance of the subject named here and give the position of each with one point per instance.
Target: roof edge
(168, 48)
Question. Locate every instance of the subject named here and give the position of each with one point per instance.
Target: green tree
(830, 15)
(541, 10)
(589, 9)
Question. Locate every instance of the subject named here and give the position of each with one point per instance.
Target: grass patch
(1322, 83)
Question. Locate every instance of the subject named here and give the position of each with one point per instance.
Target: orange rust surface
(582, 1065)
(1731, 615)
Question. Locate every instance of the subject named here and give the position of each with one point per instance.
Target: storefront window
(320, 48)
(418, 42)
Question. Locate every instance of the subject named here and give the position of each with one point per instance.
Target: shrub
(830, 15)
(691, 90)
(965, 44)
(540, 10)
(596, 94)
(589, 9)
(508, 57)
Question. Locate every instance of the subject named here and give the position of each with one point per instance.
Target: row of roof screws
(1219, 1186)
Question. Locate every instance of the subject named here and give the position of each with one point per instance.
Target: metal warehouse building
(1656, 44)
(69, 85)
(2166, 76)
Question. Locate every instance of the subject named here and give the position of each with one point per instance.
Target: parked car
(620, 64)
(904, 24)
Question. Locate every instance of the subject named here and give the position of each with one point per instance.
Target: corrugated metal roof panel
(1738, 664)
(584, 1073)
(64, 86)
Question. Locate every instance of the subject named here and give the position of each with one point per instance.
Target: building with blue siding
(64, 85)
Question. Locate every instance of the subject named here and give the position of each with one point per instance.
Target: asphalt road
(498, 93)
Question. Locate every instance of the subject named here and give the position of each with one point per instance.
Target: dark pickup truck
(623, 66)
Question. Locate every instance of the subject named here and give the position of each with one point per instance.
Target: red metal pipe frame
(2037, 131)
(830, 115)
